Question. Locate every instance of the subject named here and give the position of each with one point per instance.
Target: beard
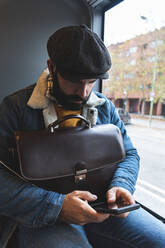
(67, 101)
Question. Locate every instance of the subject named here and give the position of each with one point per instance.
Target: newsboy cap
(79, 53)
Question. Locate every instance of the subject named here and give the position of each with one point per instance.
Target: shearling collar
(38, 99)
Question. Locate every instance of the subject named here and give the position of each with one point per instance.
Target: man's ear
(51, 66)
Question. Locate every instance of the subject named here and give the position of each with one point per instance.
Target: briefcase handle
(58, 122)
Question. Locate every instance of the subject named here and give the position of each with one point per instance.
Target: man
(34, 217)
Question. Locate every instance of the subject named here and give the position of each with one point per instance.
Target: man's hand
(119, 197)
(76, 209)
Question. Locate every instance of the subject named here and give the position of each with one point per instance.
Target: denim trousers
(139, 230)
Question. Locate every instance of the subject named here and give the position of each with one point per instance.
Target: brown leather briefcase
(72, 158)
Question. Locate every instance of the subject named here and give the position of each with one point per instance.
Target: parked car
(124, 115)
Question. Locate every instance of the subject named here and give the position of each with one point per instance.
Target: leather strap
(58, 122)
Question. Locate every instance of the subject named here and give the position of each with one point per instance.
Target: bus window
(136, 84)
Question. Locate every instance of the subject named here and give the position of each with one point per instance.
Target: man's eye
(80, 82)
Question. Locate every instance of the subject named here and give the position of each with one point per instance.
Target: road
(150, 143)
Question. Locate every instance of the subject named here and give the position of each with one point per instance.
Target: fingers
(94, 216)
(111, 195)
(76, 209)
(91, 214)
(125, 197)
(100, 218)
(120, 196)
(85, 195)
(124, 215)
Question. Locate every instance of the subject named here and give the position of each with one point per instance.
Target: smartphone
(102, 207)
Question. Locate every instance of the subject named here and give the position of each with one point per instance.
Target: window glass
(136, 42)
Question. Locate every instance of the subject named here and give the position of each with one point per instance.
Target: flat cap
(79, 53)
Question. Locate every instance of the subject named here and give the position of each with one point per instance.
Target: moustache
(76, 98)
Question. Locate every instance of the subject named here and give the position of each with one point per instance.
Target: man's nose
(82, 91)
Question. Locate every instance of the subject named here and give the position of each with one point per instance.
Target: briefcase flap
(69, 151)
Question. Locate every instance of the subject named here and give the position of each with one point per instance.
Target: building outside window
(137, 83)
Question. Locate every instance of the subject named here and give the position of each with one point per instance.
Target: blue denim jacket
(22, 202)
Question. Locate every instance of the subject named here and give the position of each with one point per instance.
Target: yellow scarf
(62, 112)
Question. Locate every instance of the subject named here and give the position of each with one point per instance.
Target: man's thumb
(111, 196)
(85, 195)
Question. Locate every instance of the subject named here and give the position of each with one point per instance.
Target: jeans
(139, 230)
(60, 235)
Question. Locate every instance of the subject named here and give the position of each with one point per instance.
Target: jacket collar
(39, 100)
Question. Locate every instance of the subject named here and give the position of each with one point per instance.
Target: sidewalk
(157, 122)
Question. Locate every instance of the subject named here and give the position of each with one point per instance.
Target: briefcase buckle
(80, 173)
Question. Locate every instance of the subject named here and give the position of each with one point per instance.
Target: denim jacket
(24, 203)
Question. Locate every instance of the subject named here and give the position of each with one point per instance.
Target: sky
(124, 21)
